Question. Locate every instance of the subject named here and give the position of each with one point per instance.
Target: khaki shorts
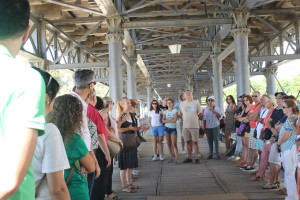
(191, 134)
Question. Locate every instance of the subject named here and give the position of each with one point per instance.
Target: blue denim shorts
(170, 131)
(157, 131)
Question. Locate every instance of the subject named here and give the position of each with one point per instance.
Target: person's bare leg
(243, 150)
(254, 154)
(273, 170)
(189, 149)
(169, 142)
(123, 177)
(174, 145)
(247, 156)
(196, 149)
(182, 143)
(227, 141)
(155, 145)
(159, 145)
(129, 175)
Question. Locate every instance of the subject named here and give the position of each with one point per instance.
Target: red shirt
(95, 116)
(254, 108)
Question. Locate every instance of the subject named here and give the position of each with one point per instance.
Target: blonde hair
(120, 109)
(106, 102)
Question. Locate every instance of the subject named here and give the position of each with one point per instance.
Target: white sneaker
(155, 158)
(161, 157)
(231, 158)
(183, 152)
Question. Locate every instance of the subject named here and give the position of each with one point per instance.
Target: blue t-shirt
(170, 115)
(177, 107)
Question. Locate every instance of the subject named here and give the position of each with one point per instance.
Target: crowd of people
(266, 128)
(64, 147)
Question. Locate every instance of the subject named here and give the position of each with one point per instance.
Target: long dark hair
(51, 84)
(66, 115)
(157, 107)
(232, 99)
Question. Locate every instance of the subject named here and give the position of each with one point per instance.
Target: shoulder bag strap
(37, 188)
(70, 174)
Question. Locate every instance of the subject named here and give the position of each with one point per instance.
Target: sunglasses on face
(154, 103)
(211, 100)
(240, 100)
(245, 99)
(254, 96)
(284, 107)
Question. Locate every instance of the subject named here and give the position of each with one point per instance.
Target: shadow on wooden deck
(215, 179)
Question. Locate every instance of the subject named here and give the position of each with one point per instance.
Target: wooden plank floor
(209, 177)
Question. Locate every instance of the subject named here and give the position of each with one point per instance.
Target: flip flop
(128, 190)
(113, 196)
(135, 186)
(282, 191)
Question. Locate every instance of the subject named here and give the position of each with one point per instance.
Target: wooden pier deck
(208, 180)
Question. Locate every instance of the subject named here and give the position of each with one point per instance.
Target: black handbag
(267, 134)
(247, 129)
(255, 133)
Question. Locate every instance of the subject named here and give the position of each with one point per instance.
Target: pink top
(254, 108)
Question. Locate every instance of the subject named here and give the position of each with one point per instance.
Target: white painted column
(217, 76)
(149, 95)
(131, 80)
(114, 38)
(240, 34)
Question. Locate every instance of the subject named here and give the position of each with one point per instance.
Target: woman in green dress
(67, 116)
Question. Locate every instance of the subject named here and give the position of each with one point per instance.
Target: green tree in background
(66, 83)
(290, 85)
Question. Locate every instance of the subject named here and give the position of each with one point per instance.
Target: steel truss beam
(73, 6)
(275, 57)
(78, 65)
(167, 51)
(176, 23)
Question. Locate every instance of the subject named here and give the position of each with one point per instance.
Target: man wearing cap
(190, 112)
(212, 115)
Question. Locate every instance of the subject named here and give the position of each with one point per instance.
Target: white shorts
(274, 156)
(179, 127)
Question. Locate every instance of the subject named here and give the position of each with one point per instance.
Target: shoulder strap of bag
(70, 174)
(37, 188)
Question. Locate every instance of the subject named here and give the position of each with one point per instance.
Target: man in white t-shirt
(190, 112)
(84, 82)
